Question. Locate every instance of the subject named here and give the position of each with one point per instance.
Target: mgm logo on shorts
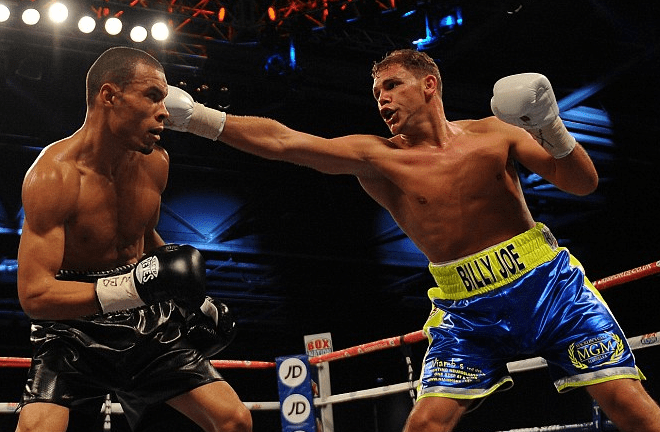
(602, 350)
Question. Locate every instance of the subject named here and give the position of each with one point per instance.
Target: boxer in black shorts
(127, 313)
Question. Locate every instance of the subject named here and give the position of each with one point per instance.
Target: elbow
(33, 302)
(32, 307)
(593, 186)
(586, 187)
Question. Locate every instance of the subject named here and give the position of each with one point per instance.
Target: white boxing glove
(526, 100)
(186, 115)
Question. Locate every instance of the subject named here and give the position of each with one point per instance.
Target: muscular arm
(159, 171)
(574, 173)
(272, 140)
(49, 192)
(528, 102)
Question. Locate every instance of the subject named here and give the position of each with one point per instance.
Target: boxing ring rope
(637, 342)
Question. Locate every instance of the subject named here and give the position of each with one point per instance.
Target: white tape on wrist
(207, 122)
(117, 293)
(554, 138)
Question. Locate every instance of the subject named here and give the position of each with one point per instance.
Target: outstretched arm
(528, 101)
(270, 139)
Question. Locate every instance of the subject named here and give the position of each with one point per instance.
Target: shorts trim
(505, 383)
(569, 383)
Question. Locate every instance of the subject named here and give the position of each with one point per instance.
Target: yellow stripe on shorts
(494, 267)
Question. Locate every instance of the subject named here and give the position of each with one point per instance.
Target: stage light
(30, 16)
(439, 26)
(138, 34)
(272, 13)
(159, 31)
(450, 21)
(275, 65)
(292, 55)
(58, 12)
(87, 24)
(430, 38)
(4, 13)
(113, 26)
(221, 14)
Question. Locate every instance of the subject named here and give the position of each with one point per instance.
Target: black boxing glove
(170, 272)
(211, 327)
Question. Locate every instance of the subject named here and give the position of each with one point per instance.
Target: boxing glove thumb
(186, 115)
(180, 105)
(527, 100)
(210, 328)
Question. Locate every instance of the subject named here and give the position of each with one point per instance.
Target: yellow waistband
(493, 267)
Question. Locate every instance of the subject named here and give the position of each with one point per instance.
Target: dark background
(296, 252)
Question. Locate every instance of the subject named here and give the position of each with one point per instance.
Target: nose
(383, 98)
(163, 113)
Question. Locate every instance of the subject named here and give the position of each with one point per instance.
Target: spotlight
(30, 16)
(113, 26)
(272, 13)
(138, 34)
(57, 12)
(159, 31)
(87, 24)
(4, 13)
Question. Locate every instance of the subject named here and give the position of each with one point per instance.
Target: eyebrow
(384, 83)
(157, 90)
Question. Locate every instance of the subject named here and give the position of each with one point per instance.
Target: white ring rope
(637, 342)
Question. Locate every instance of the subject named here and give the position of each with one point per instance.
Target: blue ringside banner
(294, 384)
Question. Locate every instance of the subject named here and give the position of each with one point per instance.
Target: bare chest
(448, 201)
(110, 220)
(449, 178)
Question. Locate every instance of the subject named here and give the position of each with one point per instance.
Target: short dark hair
(419, 63)
(116, 65)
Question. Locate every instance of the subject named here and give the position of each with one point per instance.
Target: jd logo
(296, 408)
(292, 372)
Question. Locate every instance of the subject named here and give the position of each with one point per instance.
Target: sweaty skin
(92, 203)
(450, 185)
(92, 200)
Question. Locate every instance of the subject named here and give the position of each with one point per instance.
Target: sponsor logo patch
(599, 351)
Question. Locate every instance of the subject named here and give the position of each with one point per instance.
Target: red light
(272, 14)
(221, 14)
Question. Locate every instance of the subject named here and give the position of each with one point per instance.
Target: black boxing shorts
(141, 355)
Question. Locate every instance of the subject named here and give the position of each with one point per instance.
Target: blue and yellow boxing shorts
(522, 298)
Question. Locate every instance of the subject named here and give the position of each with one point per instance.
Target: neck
(99, 150)
(435, 131)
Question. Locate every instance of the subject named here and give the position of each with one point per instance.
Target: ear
(430, 86)
(430, 83)
(108, 94)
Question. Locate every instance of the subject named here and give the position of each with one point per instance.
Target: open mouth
(387, 114)
(156, 132)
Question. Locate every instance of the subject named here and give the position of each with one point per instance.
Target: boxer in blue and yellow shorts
(523, 297)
